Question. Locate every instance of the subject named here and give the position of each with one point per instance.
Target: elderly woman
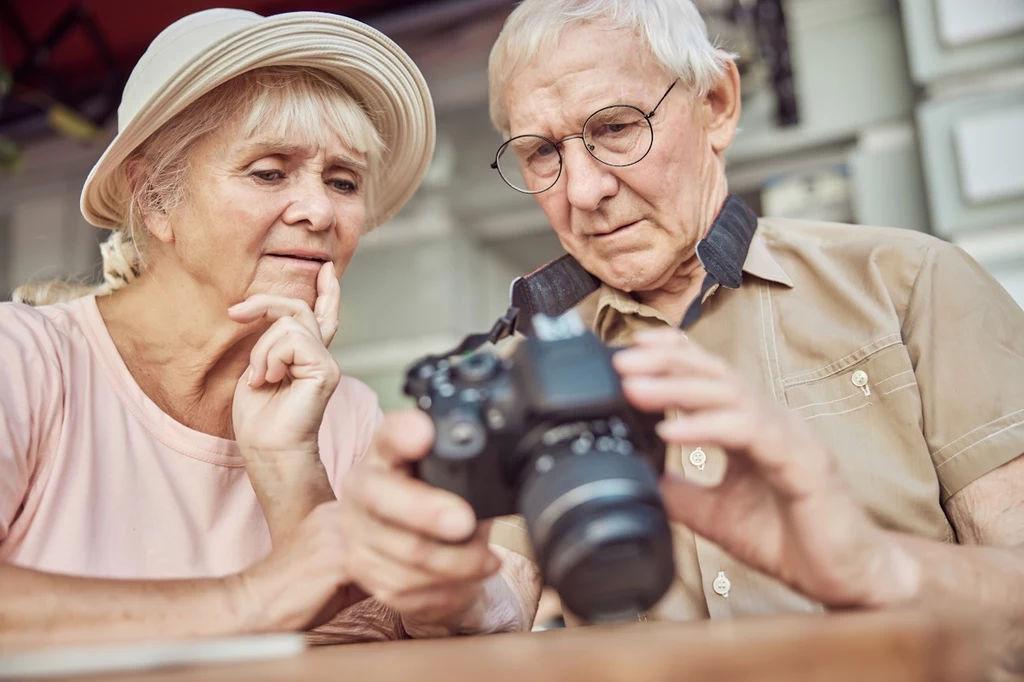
(178, 450)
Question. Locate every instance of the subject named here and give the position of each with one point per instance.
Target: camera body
(547, 433)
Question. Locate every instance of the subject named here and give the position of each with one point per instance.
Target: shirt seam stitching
(887, 341)
(980, 440)
(775, 345)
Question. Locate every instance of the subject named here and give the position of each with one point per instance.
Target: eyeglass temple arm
(662, 98)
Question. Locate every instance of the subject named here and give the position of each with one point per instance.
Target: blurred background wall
(904, 114)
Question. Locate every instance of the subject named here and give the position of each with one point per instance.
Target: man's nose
(311, 204)
(588, 181)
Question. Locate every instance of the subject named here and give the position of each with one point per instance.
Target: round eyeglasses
(619, 135)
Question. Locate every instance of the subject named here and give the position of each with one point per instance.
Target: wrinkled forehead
(590, 67)
(242, 140)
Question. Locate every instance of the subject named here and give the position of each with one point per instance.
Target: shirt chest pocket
(883, 379)
(867, 407)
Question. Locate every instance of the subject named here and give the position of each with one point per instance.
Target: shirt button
(722, 585)
(860, 380)
(698, 458)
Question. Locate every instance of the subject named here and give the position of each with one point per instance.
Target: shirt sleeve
(31, 405)
(965, 336)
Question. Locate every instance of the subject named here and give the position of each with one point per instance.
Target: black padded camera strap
(552, 289)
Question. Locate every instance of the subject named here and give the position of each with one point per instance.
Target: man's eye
(545, 150)
(268, 175)
(611, 129)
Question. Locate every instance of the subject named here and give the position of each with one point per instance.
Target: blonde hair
(673, 31)
(280, 101)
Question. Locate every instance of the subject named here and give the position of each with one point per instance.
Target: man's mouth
(617, 230)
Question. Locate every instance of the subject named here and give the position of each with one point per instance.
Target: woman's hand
(416, 548)
(303, 582)
(782, 507)
(280, 401)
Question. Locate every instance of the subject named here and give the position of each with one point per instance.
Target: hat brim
(373, 68)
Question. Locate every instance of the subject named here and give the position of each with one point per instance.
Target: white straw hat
(203, 50)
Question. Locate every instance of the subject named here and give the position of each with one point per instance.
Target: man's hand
(782, 507)
(414, 547)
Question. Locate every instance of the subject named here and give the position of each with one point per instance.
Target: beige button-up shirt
(903, 354)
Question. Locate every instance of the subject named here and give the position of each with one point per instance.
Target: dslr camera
(547, 433)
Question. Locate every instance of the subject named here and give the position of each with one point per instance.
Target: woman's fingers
(299, 356)
(260, 354)
(321, 321)
(274, 308)
(328, 302)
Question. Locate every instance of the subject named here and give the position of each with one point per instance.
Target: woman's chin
(303, 289)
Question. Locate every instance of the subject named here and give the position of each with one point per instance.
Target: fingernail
(248, 376)
(456, 523)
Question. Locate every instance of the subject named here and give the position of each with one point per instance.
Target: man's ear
(157, 222)
(722, 109)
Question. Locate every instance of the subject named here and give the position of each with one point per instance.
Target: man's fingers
(273, 308)
(411, 504)
(656, 394)
(447, 562)
(695, 506)
(328, 302)
(405, 436)
(683, 358)
(792, 463)
(728, 429)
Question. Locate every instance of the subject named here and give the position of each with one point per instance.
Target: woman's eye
(344, 185)
(268, 175)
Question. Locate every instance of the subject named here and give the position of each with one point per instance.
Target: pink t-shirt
(96, 480)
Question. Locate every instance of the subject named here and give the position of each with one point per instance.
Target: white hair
(673, 30)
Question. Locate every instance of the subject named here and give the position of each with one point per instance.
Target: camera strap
(551, 289)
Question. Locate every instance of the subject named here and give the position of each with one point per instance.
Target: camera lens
(600, 533)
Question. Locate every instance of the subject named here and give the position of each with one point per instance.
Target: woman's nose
(311, 204)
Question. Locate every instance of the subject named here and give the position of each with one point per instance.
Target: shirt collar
(731, 247)
(761, 264)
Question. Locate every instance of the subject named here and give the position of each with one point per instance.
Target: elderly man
(852, 398)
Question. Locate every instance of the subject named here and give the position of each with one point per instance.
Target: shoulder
(41, 335)
(842, 241)
(887, 260)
